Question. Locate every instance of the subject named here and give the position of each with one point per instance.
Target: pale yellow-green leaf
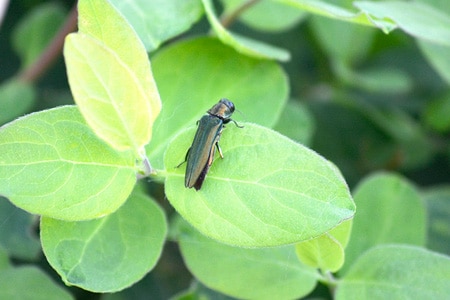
(110, 77)
(326, 252)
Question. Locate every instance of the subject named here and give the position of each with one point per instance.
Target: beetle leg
(217, 144)
(220, 150)
(185, 158)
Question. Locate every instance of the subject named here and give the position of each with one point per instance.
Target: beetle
(200, 155)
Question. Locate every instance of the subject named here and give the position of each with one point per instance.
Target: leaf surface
(243, 44)
(245, 273)
(390, 210)
(36, 30)
(329, 9)
(296, 122)
(437, 199)
(266, 15)
(107, 254)
(420, 20)
(110, 77)
(327, 251)
(267, 191)
(158, 21)
(193, 75)
(52, 164)
(16, 232)
(16, 98)
(397, 272)
(30, 283)
(437, 113)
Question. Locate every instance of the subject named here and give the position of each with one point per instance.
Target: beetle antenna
(235, 123)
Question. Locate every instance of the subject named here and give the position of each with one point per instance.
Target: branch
(227, 20)
(53, 50)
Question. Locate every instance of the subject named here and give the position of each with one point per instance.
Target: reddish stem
(228, 20)
(53, 50)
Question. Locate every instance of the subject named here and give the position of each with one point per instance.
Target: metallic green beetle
(201, 153)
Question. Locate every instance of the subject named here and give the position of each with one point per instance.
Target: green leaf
(338, 136)
(438, 204)
(341, 40)
(54, 165)
(211, 70)
(330, 10)
(268, 273)
(412, 140)
(16, 98)
(197, 291)
(267, 191)
(242, 44)
(438, 56)
(16, 232)
(437, 113)
(107, 254)
(110, 77)
(265, 15)
(36, 30)
(327, 251)
(29, 283)
(296, 122)
(417, 19)
(390, 210)
(158, 21)
(385, 80)
(438, 4)
(149, 287)
(4, 259)
(409, 137)
(397, 272)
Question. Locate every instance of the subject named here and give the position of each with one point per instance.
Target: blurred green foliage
(364, 99)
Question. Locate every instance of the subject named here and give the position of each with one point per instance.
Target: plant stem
(227, 20)
(53, 50)
(329, 280)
